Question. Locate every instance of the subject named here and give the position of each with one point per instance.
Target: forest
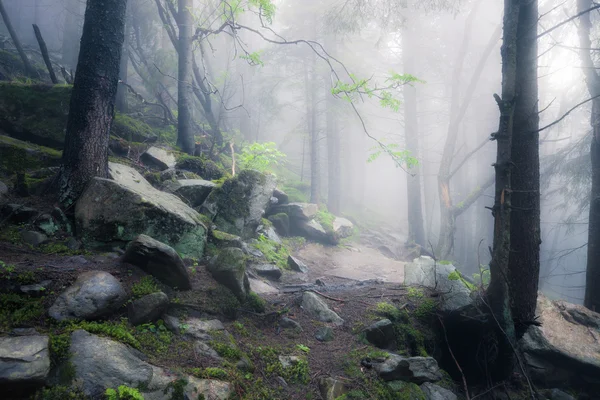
(276, 199)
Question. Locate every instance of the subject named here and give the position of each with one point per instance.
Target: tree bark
(334, 170)
(44, 50)
(524, 260)
(311, 115)
(592, 281)
(121, 103)
(416, 233)
(15, 38)
(185, 135)
(91, 110)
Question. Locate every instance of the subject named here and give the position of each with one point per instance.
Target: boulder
(116, 211)
(210, 389)
(314, 231)
(193, 327)
(331, 389)
(296, 211)
(158, 260)
(297, 265)
(192, 191)
(94, 294)
(435, 392)
(229, 269)
(409, 369)
(281, 223)
(565, 350)
(269, 233)
(148, 308)
(17, 156)
(237, 207)
(200, 166)
(17, 214)
(24, 361)
(288, 323)
(204, 350)
(158, 158)
(100, 363)
(342, 228)
(381, 334)
(224, 239)
(281, 196)
(406, 390)
(318, 309)
(268, 271)
(261, 287)
(33, 238)
(423, 271)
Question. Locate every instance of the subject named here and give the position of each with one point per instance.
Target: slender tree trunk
(334, 170)
(498, 292)
(44, 50)
(416, 232)
(185, 135)
(315, 176)
(91, 110)
(15, 38)
(524, 260)
(592, 278)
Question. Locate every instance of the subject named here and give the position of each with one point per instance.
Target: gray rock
(94, 294)
(289, 361)
(557, 394)
(118, 210)
(224, 239)
(200, 329)
(33, 238)
(288, 323)
(24, 332)
(342, 228)
(297, 265)
(381, 334)
(435, 392)
(423, 272)
(61, 219)
(17, 214)
(281, 196)
(3, 188)
(159, 158)
(148, 308)
(205, 350)
(24, 360)
(251, 250)
(314, 231)
(245, 364)
(193, 191)
(406, 390)
(270, 233)
(102, 363)
(211, 389)
(268, 270)
(237, 207)
(281, 223)
(158, 260)
(37, 289)
(324, 334)
(229, 269)
(409, 369)
(331, 388)
(298, 211)
(318, 309)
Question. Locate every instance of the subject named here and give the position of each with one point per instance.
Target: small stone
(331, 388)
(281, 381)
(37, 289)
(318, 309)
(268, 270)
(381, 334)
(409, 369)
(24, 360)
(34, 238)
(288, 323)
(148, 308)
(289, 361)
(205, 350)
(251, 250)
(324, 334)
(245, 365)
(81, 260)
(297, 265)
(159, 158)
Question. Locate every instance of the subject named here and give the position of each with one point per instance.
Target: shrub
(261, 156)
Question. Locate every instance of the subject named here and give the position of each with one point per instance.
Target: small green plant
(389, 310)
(261, 156)
(240, 328)
(325, 218)
(425, 309)
(226, 351)
(415, 293)
(255, 302)
(303, 348)
(123, 393)
(274, 253)
(146, 285)
(213, 373)
(484, 277)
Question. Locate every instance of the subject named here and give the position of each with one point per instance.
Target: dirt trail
(358, 262)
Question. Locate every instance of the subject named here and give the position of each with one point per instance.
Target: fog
(267, 87)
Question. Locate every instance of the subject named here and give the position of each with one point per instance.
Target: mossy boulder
(229, 269)
(237, 207)
(17, 156)
(113, 212)
(201, 166)
(38, 113)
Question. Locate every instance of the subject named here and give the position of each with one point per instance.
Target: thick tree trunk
(592, 282)
(44, 50)
(91, 110)
(524, 260)
(121, 103)
(185, 135)
(416, 233)
(15, 38)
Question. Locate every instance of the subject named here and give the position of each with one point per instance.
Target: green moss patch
(17, 156)
(202, 166)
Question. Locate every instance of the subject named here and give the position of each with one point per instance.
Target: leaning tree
(91, 110)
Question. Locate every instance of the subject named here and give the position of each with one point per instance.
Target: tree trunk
(26, 64)
(315, 177)
(416, 232)
(334, 170)
(185, 135)
(524, 260)
(44, 50)
(91, 110)
(121, 103)
(592, 278)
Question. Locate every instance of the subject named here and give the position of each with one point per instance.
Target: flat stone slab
(260, 287)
